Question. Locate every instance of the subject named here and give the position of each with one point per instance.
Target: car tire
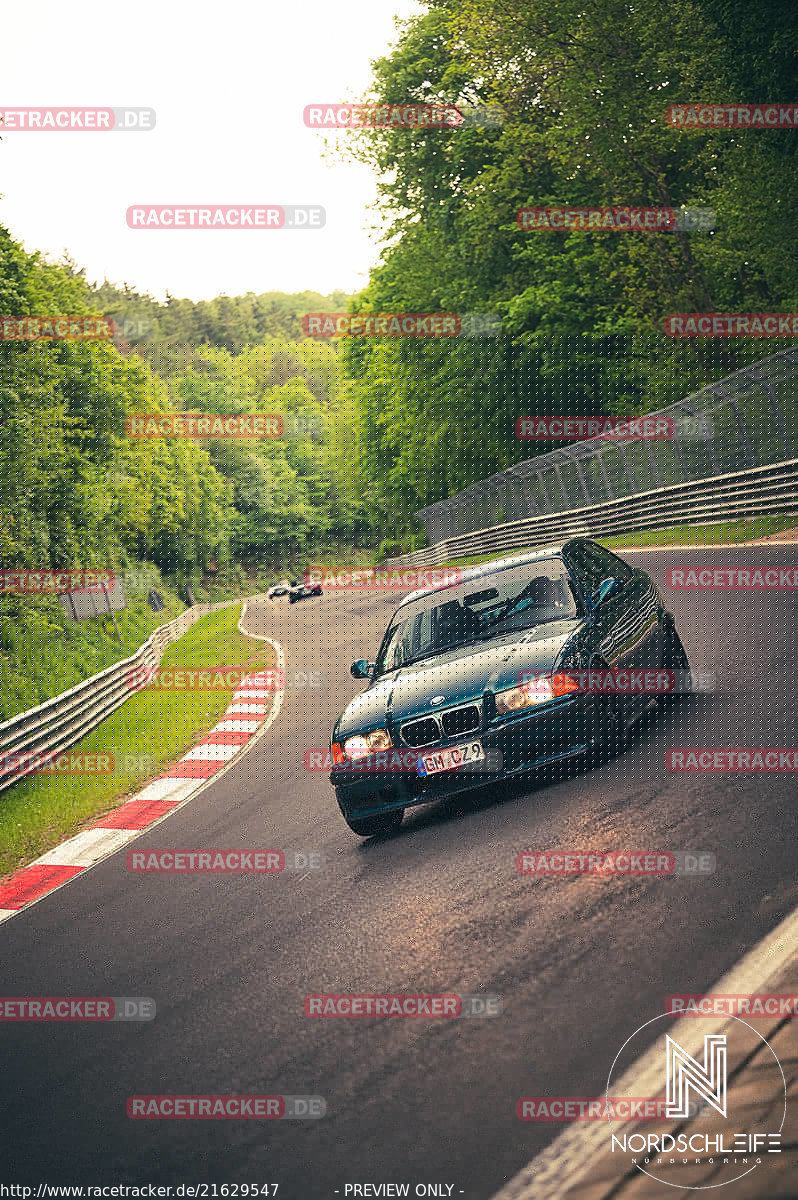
(675, 659)
(381, 825)
(292, 599)
(615, 731)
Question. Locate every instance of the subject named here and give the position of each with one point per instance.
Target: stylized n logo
(707, 1081)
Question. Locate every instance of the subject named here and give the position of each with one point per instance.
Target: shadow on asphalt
(672, 722)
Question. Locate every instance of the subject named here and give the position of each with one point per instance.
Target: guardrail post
(653, 462)
(707, 437)
(546, 497)
(582, 480)
(776, 407)
(608, 486)
(562, 487)
(748, 449)
(626, 471)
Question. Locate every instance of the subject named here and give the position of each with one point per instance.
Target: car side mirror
(607, 588)
(362, 669)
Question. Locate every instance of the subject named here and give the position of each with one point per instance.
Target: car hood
(460, 676)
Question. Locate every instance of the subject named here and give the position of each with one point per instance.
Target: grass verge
(725, 533)
(151, 730)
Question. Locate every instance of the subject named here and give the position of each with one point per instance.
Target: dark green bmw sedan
(508, 668)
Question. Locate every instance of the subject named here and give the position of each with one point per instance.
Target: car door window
(589, 568)
(613, 566)
(398, 647)
(453, 624)
(604, 565)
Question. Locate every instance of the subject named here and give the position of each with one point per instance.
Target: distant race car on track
(279, 589)
(517, 665)
(301, 591)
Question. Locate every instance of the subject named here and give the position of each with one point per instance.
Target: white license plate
(451, 759)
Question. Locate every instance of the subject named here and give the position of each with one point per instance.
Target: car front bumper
(518, 745)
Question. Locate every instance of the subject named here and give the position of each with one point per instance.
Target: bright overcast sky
(229, 82)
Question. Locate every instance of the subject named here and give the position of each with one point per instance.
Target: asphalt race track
(580, 963)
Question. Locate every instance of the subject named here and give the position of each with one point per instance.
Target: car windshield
(513, 599)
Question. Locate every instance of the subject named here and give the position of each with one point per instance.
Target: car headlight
(367, 743)
(539, 690)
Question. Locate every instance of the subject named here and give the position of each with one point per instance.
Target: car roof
(497, 564)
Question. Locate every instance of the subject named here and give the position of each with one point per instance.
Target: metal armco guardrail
(57, 724)
(755, 492)
(749, 419)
